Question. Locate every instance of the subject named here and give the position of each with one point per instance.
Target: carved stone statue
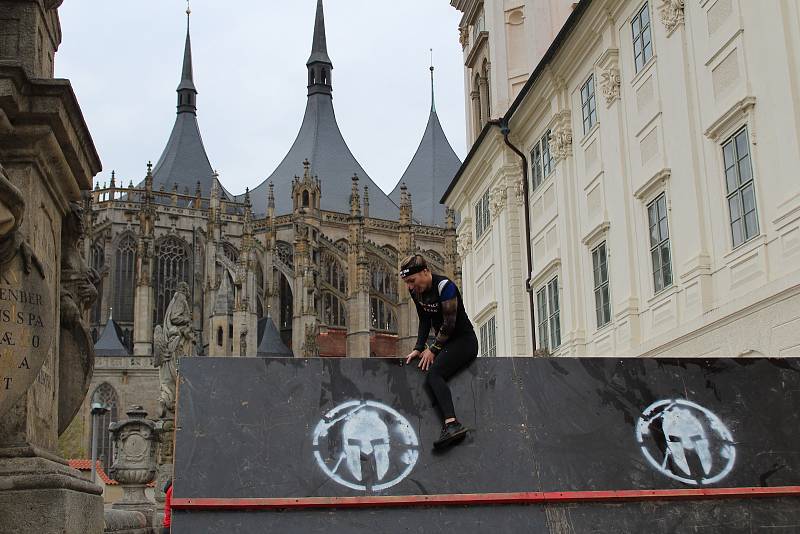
(243, 342)
(310, 346)
(12, 208)
(78, 293)
(171, 341)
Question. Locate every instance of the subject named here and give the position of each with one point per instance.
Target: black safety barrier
(282, 429)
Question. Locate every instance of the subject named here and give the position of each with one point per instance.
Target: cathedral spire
(433, 101)
(319, 63)
(187, 93)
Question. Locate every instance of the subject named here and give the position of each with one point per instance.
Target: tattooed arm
(449, 312)
(424, 328)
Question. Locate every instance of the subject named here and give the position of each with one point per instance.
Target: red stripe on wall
(460, 499)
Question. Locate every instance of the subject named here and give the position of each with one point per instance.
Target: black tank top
(429, 308)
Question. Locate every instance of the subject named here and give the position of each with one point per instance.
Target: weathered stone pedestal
(40, 494)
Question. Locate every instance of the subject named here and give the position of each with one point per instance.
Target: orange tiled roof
(86, 465)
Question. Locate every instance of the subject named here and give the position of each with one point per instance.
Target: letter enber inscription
(26, 329)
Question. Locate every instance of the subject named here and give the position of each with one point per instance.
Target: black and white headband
(411, 270)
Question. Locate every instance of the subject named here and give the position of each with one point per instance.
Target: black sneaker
(451, 434)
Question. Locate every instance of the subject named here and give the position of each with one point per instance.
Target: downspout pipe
(505, 130)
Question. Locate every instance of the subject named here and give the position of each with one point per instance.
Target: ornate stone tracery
(497, 201)
(561, 137)
(610, 83)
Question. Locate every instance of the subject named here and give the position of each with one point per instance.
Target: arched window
(383, 281)
(98, 261)
(259, 289)
(285, 253)
(324, 76)
(382, 316)
(230, 252)
(220, 336)
(124, 279)
(305, 199)
(287, 309)
(172, 267)
(333, 311)
(334, 274)
(105, 395)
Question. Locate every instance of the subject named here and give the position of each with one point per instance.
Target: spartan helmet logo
(684, 432)
(365, 445)
(364, 434)
(686, 441)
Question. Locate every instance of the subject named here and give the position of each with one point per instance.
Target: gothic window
(334, 274)
(305, 199)
(230, 252)
(383, 281)
(286, 305)
(390, 251)
(124, 279)
(105, 395)
(259, 290)
(382, 315)
(219, 336)
(333, 311)
(98, 260)
(435, 257)
(285, 253)
(172, 267)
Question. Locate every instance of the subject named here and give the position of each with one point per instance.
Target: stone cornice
(29, 104)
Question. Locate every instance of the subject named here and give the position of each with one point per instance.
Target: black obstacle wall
(293, 428)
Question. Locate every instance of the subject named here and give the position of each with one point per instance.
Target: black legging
(456, 354)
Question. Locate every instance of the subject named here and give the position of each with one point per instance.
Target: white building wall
(729, 64)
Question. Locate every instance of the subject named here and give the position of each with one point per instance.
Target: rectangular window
(547, 155)
(588, 105)
(542, 163)
(602, 300)
(740, 188)
(549, 320)
(642, 40)
(488, 339)
(536, 167)
(659, 243)
(541, 311)
(482, 216)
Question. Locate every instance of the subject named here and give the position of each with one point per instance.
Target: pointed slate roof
(320, 141)
(184, 160)
(319, 46)
(109, 343)
(270, 344)
(431, 169)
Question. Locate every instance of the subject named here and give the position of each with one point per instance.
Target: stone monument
(47, 158)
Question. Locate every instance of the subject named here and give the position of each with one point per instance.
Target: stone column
(48, 157)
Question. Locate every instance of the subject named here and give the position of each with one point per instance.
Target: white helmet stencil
(672, 431)
(359, 433)
(364, 434)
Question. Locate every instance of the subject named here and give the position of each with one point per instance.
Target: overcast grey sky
(124, 57)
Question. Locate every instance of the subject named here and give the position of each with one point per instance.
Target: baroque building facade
(304, 264)
(640, 179)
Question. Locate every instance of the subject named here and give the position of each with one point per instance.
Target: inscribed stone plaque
(26, 329)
